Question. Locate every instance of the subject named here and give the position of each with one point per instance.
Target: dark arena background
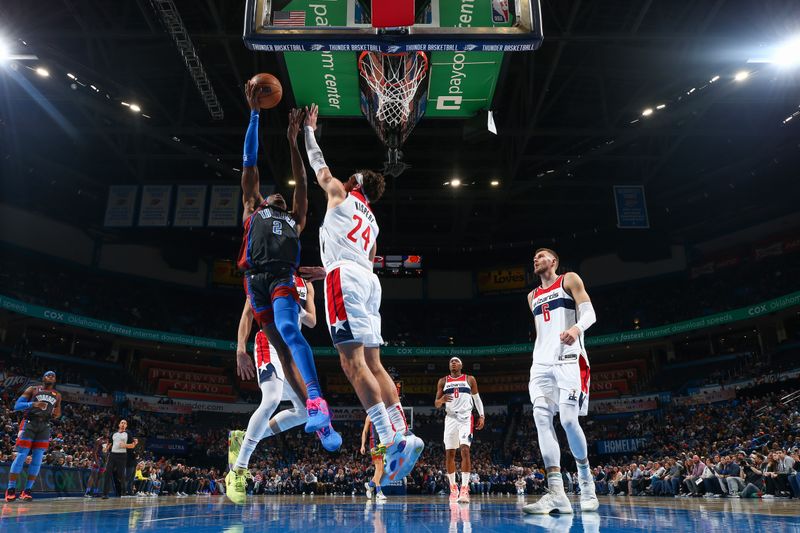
(653, 146)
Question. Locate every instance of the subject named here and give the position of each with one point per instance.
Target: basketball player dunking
(353, 297)
(270, 254)
(276, 386)
(562, 312)
(458, 393)
(40, 404)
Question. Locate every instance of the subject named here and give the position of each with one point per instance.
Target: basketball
(270, 90)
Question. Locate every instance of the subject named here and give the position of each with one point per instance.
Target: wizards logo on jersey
(337, 314)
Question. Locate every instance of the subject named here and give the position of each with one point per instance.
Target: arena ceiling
(718, 156)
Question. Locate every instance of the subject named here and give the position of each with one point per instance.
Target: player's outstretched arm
(300, 201)
(573, 284)
(308, 315)
(57, 407)
(244, 364)
(251, 196)
(332, 186)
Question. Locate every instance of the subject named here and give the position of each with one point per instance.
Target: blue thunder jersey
(40, 394)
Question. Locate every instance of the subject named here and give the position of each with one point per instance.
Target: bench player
(562, 312)
(458, 393)
(270, 254)
(353, 297)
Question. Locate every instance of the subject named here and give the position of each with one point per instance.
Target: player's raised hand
(40, 405)
(245, 368)
(313, 273)
(311, 116)
(295, 123)
(251, 91)
(570, 336)
(480, 423)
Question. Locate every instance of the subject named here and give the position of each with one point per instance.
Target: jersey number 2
(546, 312)
(277, 228)
(366, 234)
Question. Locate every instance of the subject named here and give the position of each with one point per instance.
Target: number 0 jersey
(554, 311)
(461, 405)
(348, 232)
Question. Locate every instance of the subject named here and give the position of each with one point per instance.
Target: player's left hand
(245, 368)
(311, 116)
(251, 92)
(313, 273)
(479, 425)
(295, 123)
(570, 336)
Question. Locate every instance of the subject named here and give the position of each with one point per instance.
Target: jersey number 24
(365, 235)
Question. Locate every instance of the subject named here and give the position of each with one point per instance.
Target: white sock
(248, 446)
(380, 418)
(452, 478)
(464, 479)
(584, 472)
(398, 417)
(555, 482)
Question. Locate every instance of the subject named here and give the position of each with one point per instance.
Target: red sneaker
(26, 496)
(11, 495)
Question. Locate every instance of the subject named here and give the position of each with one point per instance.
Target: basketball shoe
(401, 456)
(551, 501)
(370, 489)
(11, 495)
(235, 439)
(454, 494)
(26, 495)
(330, 439)
(464, 495)
(236, 485)
(589, 500)
(319, 415)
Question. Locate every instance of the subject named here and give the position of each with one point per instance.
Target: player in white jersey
(458, 393)
(276, 386)
(562, 312)
(353, 297)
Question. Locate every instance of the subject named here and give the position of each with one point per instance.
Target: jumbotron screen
(407, 266)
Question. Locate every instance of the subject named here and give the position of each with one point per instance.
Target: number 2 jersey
(461, 405)
(270, 242)
(554, 311)
(348, 233)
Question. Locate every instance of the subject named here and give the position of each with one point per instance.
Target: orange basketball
(270, 90)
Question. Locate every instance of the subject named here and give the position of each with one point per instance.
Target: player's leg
(544, 396)
(286, 320)
(450, 448)
(375, 482)
(573, 389)
(387, 387)
(23, 447)
(40, 445)
(466, 468)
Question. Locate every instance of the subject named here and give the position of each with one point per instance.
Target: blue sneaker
(329, 438)
(401, 456)
(319, 416)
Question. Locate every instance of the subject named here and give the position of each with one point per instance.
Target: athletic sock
(464, 479)
(378, 489)
(248, 446)
(555, 482)
(584, 472)
(398, 417)
(29, 483)
(12, 483)
(380, 418)
(372, 484)
(452, 478)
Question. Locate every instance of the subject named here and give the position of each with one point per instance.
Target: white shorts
(352, 305)
(567, 383)
(457, 432)
(269, 368)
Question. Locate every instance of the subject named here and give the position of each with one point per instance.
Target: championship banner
(158, 373)
(190, 206)
(154, 208)
(631, 207)
(119, 208)
(503, 280)
(223, 210)
(624, 405)
(168, 385)
(226, 272)
(608, 447)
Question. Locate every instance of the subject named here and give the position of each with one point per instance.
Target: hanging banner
(154, 209)
(119, 209)
(223, 210)
(631, 207)
(190, 206)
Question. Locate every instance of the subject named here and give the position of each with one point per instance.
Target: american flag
(289, 18)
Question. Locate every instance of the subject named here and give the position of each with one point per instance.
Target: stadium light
(455, 182)
(647, 112)
(788, 54)
(292, 183)
(5, 52)
(135, 108)
(495, 183)
(741, 75)
(43, 72)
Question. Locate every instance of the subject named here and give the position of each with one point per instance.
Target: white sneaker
(370, 490)
(551, 501)
(454, 492)
(589, 500)
(380, 497)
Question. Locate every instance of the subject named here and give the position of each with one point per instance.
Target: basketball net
(395, 79)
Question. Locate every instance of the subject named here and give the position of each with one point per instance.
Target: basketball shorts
(263, 287)
(352, 303)
(457, 432)
(564, 383)
(33, 434)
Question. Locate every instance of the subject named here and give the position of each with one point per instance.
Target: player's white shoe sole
(589, 501)
(550, 502)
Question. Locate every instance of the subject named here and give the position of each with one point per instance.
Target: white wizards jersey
(348, 232)
(461, 404)
(554, 311)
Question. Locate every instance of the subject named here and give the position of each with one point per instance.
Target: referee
(117, 459)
